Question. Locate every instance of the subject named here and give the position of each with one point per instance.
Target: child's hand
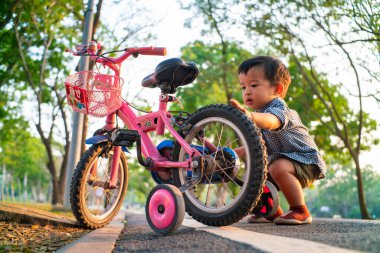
(237, 105)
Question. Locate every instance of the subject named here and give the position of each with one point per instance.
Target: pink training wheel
(269, 201)
(165, 209)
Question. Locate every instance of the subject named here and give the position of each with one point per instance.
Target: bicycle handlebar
(91, 50)
(93, 47)
(147, 50)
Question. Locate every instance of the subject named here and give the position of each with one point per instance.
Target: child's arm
(262, 120)
(265, 120)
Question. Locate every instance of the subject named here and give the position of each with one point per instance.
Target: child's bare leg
(283, 173)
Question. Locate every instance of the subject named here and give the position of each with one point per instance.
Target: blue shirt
(292, 139)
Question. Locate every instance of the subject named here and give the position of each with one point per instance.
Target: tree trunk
(361, 195)
(12, 189)
(6, 190)
(25, 185)
(19, 190)
(61, 187)
(58, 183)
(3, 176)
(57, 196)
(33, 191)
(49, 193)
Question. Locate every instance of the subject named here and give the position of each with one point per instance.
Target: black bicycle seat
(170, 74)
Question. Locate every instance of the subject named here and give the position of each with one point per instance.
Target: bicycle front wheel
(231, 186)
(93, 202)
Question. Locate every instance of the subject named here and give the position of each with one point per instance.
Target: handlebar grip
(152, 51)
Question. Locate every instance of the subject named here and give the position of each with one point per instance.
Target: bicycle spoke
(220, 186)
(105, 170)
(212, 186)
(224, 182)
(88, 192)
(207, 194)
(217, 193)
(228, 176)
(228, 188)
(98, 206)
(113, 195)
(228, 144)
(220, 137)
(107, 196)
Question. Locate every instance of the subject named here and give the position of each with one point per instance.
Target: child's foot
(295, 216)
(258, 219)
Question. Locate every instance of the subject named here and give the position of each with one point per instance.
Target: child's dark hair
(275, 71)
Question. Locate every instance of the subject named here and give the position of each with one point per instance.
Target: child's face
(257, 91)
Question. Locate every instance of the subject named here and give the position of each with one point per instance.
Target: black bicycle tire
(258, 175)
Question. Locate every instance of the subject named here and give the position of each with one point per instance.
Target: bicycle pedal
(124, 137)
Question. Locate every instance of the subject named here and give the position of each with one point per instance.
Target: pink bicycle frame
(153, 121)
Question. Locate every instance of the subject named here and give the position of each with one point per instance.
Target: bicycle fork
(112, 180)
(115, 166)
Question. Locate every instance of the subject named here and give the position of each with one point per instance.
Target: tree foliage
(33, 41)
(289, 28)
(34, 36)
(338, 196)
(213, 72)
(20, 153)
(327, 112)
(280, 23)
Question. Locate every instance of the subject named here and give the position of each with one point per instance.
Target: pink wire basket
(94, 93)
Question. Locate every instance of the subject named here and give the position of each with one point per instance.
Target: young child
(293, 158)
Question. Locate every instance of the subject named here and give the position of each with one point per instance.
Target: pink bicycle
(197, 170)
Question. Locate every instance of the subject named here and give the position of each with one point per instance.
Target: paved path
(265, 242)
(360, 235)
(324, 235)
(98, 241)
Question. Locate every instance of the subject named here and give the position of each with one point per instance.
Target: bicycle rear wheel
(231, 186)
(93, 202)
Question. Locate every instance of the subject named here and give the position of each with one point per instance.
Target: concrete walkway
(98, 241)
(265, 242)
